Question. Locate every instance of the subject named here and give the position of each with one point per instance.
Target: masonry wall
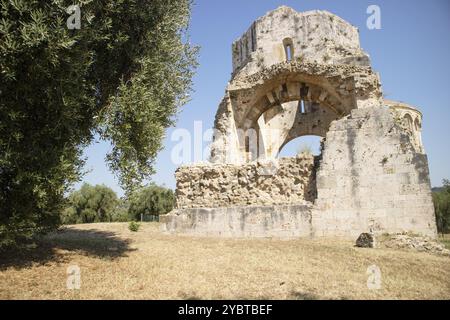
(372, 178)
(314, 36)
(286, 181)
(284, 221)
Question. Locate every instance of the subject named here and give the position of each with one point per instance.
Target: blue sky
(411, 52)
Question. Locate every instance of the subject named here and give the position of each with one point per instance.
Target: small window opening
(301, 106)
(303, 94)
(289, 49)
(288, 52)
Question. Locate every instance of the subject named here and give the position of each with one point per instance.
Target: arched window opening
(301, 106)
(303, 94)
(288, 52)
(288, 49)
(408, 122)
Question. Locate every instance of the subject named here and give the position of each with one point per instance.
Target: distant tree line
(441, 200)
(99, 203)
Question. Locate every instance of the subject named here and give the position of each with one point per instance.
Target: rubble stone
(366, 240)
(415, 242)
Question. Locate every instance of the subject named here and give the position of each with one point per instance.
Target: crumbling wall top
(285, 34)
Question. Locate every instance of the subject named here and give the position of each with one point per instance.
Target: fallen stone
(415, 242)
(366, 240)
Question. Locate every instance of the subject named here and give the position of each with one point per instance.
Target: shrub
(133, 226)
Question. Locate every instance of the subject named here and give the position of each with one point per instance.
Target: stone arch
(336, 89)
(278, 94)
(278, 126)
(320, 101)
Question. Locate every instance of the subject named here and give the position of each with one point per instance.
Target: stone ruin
(296, 74)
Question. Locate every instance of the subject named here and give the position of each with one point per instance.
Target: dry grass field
(118, 264)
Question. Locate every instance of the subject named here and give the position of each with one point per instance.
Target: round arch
(332, 90)
(281, 124)
(302, 92)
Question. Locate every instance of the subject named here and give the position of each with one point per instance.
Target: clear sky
(411, 51)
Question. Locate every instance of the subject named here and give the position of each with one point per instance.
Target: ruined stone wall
(286, 221)
(288, 180)
(371, 177)
(314, 36)
(373, 174)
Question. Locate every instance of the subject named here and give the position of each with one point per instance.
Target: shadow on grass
(189, 296)
(57, 247)
(299, 295)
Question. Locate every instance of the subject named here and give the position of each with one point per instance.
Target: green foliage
(91, 204)
(133, 226)
(446, 241)
(441, 201)
(120, 214)
(152, 200)
(122, 77)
